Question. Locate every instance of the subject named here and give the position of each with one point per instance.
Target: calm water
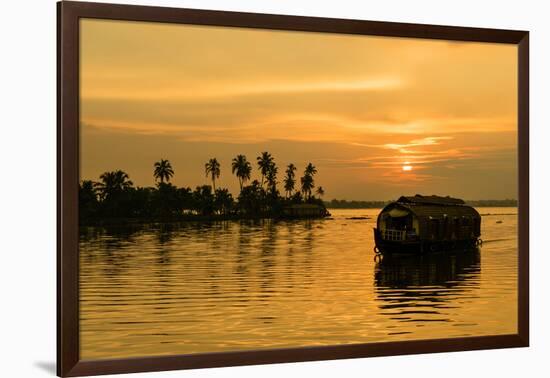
(203, 287)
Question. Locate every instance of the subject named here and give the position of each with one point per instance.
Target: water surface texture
(223, 286)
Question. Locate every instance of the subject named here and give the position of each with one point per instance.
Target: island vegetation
(114, 198)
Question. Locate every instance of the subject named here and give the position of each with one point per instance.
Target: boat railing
(394, 235)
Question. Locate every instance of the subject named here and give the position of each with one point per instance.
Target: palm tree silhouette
(271, 178)
(163, 170)
(223, 200)
(307, 185)
(89, 187)
(242, 169)
(307, 180)
(212, 168)
(265, 160)
(310, 169)
(289, 181)
(320, 191)
(87, 199)
(112, 183)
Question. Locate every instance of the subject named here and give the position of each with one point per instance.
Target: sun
(407, 167)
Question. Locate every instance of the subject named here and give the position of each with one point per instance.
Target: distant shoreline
(99, 222)
(344, 204)
(381, 207)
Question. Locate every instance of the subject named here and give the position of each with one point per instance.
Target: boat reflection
(427, 285)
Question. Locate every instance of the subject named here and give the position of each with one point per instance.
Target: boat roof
(440, 211)
(433, 207)
(432, 200)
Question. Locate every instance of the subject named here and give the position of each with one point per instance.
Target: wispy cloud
(208, 90)
(405, 147)
(359, 108)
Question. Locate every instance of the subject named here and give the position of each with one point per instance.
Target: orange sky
(359, 108)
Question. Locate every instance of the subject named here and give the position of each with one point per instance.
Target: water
(238, 285)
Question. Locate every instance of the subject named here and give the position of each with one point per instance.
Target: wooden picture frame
(69, 13)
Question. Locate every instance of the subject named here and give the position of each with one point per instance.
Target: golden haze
(358, 107)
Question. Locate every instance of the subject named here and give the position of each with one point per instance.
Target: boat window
(445, 225)
(398, 213)
(434, 228)
(401, 223)
(456, 227)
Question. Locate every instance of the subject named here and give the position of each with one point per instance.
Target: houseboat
(421, 224)
(305, 210)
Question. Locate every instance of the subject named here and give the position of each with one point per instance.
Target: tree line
(493, 203)
(115, 196)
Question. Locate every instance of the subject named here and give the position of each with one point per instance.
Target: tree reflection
(165, 233)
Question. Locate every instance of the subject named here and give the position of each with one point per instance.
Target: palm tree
(223, 201)
(163, 170)
(271, 178)
(265, 160)
(307, 184)
(112, 183)
(242, 169)
(289, 181)
(88, 189)
(250, 198)
(310, 170)
(212, 168)
(87, 199)
(320, 191)
(203, 200)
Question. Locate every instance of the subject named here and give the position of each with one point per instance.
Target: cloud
(356, 106)
(405, 147)
(182, 91)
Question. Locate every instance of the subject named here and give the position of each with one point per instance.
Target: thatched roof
(435, 207)
(432, 200)
(440, 211)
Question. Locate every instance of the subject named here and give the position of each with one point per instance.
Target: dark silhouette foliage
(115, 198)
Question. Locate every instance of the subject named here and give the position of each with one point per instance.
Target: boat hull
(420, 246)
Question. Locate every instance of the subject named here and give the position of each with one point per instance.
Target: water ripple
(193, 288)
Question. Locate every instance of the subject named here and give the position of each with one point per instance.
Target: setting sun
(281, 100)
(407, 167)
